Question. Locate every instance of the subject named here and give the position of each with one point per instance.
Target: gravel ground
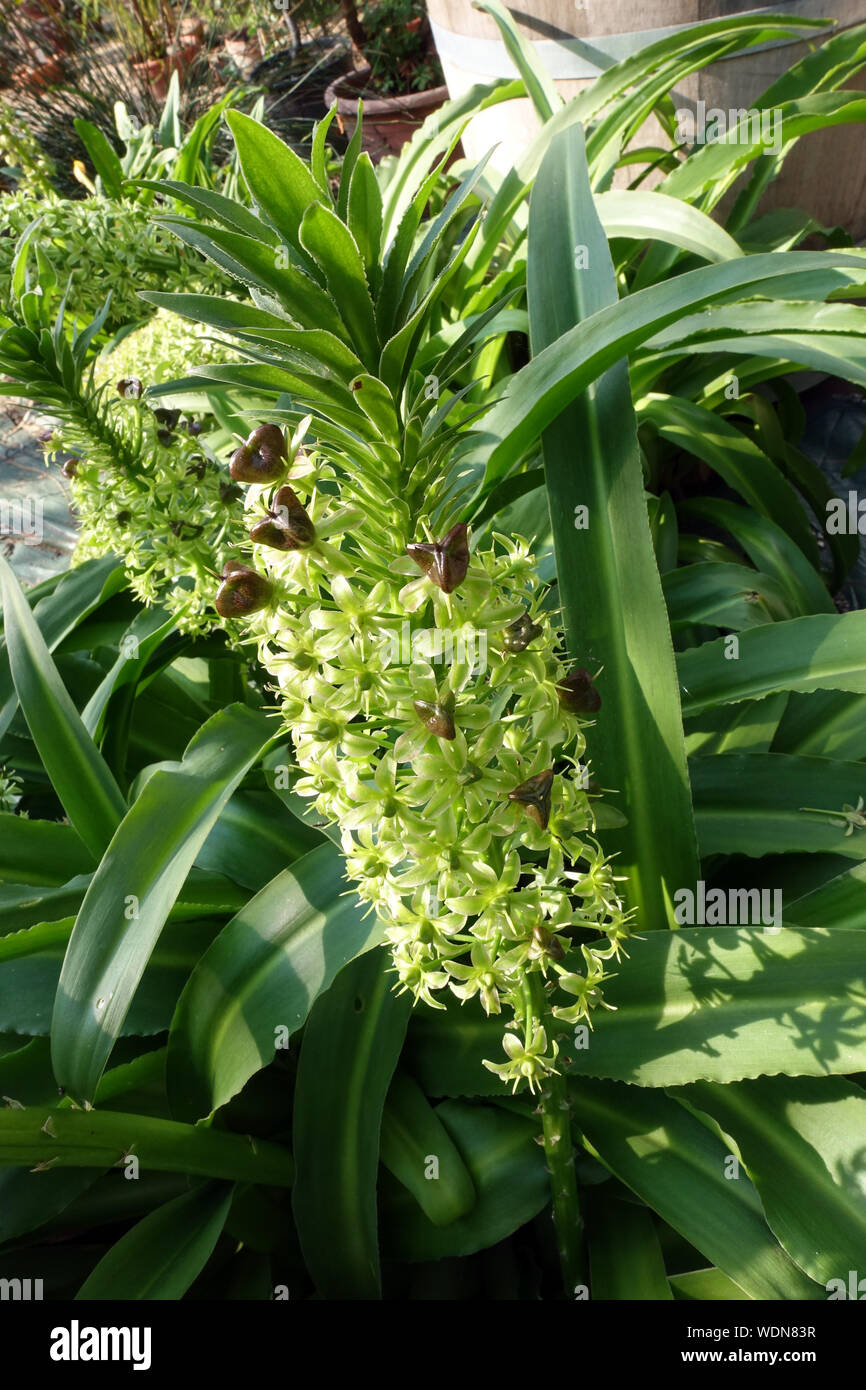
(37, 528)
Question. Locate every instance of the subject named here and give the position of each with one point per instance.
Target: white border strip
(569, 58)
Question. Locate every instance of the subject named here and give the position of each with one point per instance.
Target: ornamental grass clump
(437, 723)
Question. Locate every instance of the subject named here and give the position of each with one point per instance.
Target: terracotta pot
(191, 27)
(39, 75)
(388, 121)
(156, 73)
(244, 51)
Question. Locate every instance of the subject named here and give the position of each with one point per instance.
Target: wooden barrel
(825, 173)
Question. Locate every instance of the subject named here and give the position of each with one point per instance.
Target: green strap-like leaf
(608, 580)
(413, 1140)
(162, 1255)
(625, 1257)
(136, 886)
(819, 652)
(775, 803)
(678, 1167)
(351, 1044)
(87, 791)
(841, 902)
(507, 1170)
(40, 852)
(540, 86)
(562, 370)
(68, 1138)
(257, 983)
(721, 1003)
(802, 1142)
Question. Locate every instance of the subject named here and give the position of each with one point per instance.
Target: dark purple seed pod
(534, 796)
(130, 388)
(165, 437)
(518, 635)
(243, 591)
(198, 468)
(287, 525)
(70, 468)
(444, 562)
(436, 718)
(122, 518)
(230, 492)
(185, 530)
(544, 943)
(194, 427)
(262, 459)
(169, 418)
(577, 694)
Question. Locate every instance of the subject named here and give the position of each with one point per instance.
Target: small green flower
(527, 1061)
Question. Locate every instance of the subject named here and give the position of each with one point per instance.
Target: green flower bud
(242, 591)
(534, 796)
(444, 562)
(577, 694)
(287, 525)
(435, 718)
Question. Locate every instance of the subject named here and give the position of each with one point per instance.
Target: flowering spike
(444, 562)
(242, 591)
(534, 795)
(577, 694)
(435, 718)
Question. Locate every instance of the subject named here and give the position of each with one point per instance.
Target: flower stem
(559, 1153)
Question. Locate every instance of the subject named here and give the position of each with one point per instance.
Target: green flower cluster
(149, 490)
(435, 722)
(171, 347)
(23, 155)
(101, 246)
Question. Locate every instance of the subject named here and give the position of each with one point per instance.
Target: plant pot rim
(347, 89)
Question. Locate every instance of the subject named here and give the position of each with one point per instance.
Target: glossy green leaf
(161, 1256)
(76, 595)
(608, 580)
(819, 652)
(256, 984)
(625, 1257)
(416, 1147)
(802, 1142)
(40, 852)
(652, 216)
(841, 902)
(736, 459)
(351, 1045)
(142, 875)
(772, 803)
(87, 790)
(562, 370)
(720, 1003)
(677, 1166)
(68, 1138)
(507, 1169)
